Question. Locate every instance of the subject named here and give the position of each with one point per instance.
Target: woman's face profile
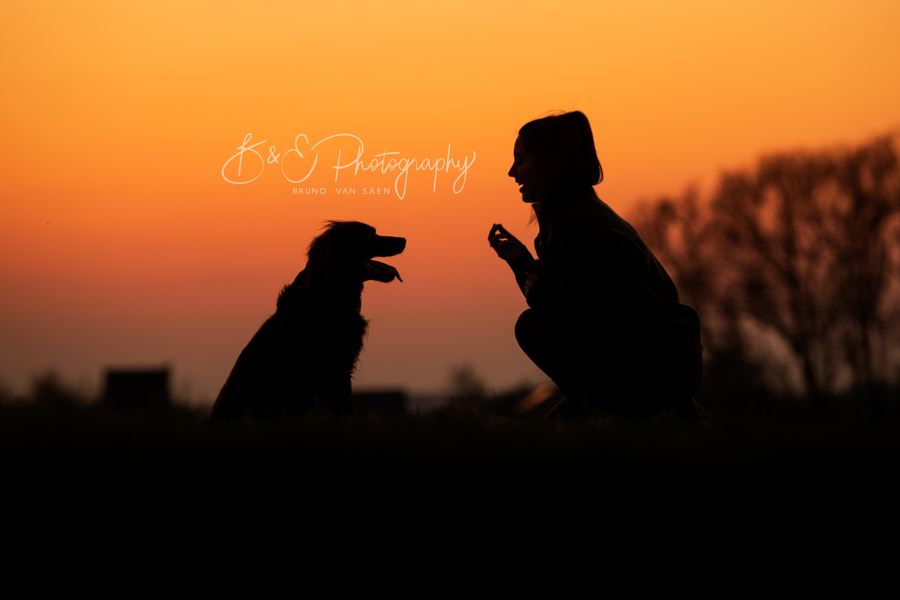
(525, 172)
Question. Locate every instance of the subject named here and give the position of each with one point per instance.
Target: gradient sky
(122, 244)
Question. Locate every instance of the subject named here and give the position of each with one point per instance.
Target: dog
(303, 357)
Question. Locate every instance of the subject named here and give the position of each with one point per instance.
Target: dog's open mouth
(380, 271)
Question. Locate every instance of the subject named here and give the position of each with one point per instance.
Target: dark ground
(479, 479)
(181, 441)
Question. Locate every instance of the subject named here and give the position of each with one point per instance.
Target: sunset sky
(122, 244)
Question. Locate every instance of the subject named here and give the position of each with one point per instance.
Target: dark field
(93, 466)
(182, 441)
(56, 448)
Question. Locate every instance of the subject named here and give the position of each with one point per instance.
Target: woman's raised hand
(504, 243)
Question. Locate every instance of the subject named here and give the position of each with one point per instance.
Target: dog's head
(343, 254)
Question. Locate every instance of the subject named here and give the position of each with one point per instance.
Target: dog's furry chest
(324, 335)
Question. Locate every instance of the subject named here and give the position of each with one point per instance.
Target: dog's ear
(320, 259)
(300, 279)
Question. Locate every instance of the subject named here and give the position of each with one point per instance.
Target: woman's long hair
(563, 147)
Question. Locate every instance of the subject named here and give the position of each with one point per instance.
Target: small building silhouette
(137, 388)
(388, 403)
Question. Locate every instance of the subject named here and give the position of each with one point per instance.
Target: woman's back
(599, 271)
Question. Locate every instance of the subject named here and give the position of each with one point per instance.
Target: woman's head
(555, 155)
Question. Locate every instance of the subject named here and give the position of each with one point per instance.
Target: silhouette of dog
(303, 357)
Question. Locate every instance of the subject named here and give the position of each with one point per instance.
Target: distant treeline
(793, 267)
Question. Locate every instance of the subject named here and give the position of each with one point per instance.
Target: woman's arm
(522, 267)
(514, 253)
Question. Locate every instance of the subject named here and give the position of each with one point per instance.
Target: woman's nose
(512, 171)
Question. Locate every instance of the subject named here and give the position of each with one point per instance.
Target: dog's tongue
(381, 271)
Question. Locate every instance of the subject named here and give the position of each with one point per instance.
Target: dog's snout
(390, 246)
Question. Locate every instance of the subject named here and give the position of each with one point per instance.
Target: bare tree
(805, 246)
(867, 206)
(781, 261)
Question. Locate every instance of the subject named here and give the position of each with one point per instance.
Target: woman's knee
(525, 329)
(539, 333)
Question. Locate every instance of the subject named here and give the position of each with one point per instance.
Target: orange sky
(121, 243)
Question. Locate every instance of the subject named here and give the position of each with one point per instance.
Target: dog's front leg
(341, 400)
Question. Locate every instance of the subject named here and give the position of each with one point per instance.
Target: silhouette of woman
(605, 322)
